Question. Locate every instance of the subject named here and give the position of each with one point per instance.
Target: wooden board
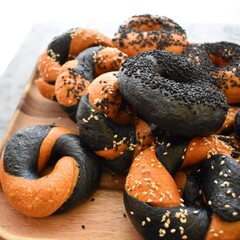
(103, 216)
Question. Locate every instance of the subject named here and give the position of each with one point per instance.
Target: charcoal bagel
(174, 94)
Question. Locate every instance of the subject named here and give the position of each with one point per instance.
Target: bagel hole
(174, 77)
(218, 61)
(148, 27)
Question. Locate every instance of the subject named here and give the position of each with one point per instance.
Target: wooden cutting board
(103, 216)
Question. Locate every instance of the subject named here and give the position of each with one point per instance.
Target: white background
(18, 16)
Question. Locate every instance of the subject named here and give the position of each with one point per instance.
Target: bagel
(146, 32)
(75, 175)
(67, 46)
(111, 131)
(75, 75)
(172, 93)
(222, 61)
(159, 208)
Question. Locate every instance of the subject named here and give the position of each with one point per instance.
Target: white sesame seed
(148, 219)
(166, 225)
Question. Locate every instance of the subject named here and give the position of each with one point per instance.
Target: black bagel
(27, 153)
(172, 93)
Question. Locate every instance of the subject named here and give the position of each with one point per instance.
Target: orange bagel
(67, 46)
(39, 195)
(148, 32)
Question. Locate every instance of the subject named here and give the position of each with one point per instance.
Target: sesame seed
(132, 213)
(183, 220)
(143, 223)
(148, 219)
(234, 213)
(209, 202)
(166, 225)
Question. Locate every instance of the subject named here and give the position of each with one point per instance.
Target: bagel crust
(221, 60)
(75, 175)
(148, 32)
(173, 93)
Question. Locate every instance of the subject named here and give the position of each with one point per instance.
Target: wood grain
(103, 216)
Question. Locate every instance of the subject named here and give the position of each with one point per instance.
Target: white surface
(17, 17)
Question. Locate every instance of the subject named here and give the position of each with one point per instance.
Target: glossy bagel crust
(75, 175)
(148, 32)
(172, 93)
(67, 46)
(222, 61)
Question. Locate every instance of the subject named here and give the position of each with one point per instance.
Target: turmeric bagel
(148, 32)
(67, 46)
(172, 93)
(75, 175)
